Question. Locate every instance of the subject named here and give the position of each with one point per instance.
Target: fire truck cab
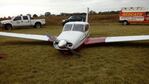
(130, 15)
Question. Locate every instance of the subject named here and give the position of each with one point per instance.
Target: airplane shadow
(118, 44)
(76, 53)
(25, 43)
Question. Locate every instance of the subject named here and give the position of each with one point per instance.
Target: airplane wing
(29, 36)
(115, 39)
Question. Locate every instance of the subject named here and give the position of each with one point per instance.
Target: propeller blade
(52, 38)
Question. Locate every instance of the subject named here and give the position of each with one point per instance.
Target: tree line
(47, 14)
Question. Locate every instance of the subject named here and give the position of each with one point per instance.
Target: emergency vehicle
(130, 15)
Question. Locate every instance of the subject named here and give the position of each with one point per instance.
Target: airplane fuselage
(73, 35)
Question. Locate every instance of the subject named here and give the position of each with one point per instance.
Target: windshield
(74, 27)
(78, 27)
(67, 27)
(17, 18)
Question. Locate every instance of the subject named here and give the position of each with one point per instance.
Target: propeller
(52, 38)
(65, 44)
(62, 43)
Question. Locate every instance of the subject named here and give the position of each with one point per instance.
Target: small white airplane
(75, 34)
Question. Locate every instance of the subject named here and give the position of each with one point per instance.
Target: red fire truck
(130, 15)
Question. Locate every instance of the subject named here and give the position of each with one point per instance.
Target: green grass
(36, 62)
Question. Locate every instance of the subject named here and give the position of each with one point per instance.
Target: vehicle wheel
(8, 27)
(125, 23)
(37, 25)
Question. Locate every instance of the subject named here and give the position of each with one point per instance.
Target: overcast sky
(17, 7)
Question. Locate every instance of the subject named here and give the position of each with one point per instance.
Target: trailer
(131, 15)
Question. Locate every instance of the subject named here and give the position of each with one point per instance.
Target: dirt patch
(2, 55)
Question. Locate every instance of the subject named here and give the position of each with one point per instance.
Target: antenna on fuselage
(87, 15)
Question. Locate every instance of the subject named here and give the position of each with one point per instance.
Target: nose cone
(62, 43)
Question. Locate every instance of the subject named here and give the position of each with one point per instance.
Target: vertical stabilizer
(87, 15)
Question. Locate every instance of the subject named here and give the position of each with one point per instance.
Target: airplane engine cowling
(62, 43)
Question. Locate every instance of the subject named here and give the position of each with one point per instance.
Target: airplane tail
(87, 15)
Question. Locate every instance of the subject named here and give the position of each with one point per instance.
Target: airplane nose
(62, 43)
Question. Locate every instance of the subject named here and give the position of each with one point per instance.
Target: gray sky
(17, 7)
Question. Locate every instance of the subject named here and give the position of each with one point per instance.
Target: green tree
(92, 12)
(47, 14)
(35, 16)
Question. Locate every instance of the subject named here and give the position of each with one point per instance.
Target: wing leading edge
(115, 39)
(28, 36)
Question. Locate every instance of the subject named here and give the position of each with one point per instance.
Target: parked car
(74, 18)
(19, 21)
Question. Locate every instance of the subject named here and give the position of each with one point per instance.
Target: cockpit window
(78, 27)
(67, 27)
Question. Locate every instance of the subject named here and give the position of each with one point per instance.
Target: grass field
(35, 62)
